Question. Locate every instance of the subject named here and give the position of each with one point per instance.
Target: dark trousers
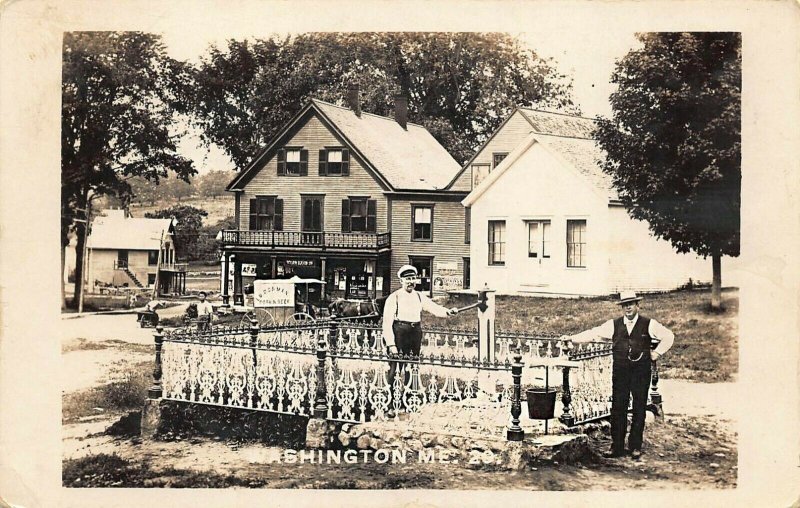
(629, 379)
(408, 339)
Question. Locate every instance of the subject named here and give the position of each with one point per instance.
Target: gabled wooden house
(547, 221)
(348, 197)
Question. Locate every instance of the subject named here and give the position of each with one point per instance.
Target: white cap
(407, 271)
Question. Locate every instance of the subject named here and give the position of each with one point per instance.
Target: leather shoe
(636, 454)
(611, 454)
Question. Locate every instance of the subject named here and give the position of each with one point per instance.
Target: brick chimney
(401, 110)
(354, 99)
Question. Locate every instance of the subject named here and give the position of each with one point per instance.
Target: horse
(366, 311)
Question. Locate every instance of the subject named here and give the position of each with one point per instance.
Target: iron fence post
(156, 391)
(515, 432)
(655, 397)
(567, 418)
(321, 401)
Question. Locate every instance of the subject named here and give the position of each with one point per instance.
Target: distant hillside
(218, 209)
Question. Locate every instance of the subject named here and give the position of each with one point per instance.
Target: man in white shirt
(402, 313)
(205, 312)
(632, 335)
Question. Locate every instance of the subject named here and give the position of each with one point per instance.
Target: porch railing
(307, 239)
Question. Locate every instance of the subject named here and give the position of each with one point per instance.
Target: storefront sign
(273, 293)
(447, 277)
(248, 269)
(301, 262)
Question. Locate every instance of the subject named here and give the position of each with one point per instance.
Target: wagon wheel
(300, 318)
(263, 316)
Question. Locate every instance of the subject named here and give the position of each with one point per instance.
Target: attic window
(292, 162)
(497, 158)
(334, 162)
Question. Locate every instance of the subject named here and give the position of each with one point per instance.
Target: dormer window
(334, 162)
(292, 162)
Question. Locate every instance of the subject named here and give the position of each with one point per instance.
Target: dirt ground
(683, 452)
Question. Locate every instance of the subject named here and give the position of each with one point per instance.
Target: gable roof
(541, 122)
(559, 124)
(115, 231)
(404, 159)
(583, 155)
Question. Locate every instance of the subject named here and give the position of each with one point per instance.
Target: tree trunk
(81, 234)
(716, 282)
(63, 266)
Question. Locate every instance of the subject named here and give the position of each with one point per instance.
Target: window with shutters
(359, 215)
(334, 162)
(576, 243)
(497, 242)
(266, 213)
(292, 161)
(421, 223)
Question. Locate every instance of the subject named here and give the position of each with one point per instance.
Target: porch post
(224, 282)
(238, 296)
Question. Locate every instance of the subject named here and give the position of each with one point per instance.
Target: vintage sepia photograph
(256, 303)
(398, 255)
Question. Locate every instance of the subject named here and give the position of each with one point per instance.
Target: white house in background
(546, 220)
(133, 252)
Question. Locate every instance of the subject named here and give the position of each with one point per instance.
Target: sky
(588, 57)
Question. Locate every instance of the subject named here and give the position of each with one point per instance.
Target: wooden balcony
(303, 240)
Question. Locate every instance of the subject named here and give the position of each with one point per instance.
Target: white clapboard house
(546, 220)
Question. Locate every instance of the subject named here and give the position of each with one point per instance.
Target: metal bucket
(541, 403)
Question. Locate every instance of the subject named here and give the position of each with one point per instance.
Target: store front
(357, 278)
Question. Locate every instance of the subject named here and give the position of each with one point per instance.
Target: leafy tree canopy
(187, 229)
(673, 143)
(459, 85)
(119, 103)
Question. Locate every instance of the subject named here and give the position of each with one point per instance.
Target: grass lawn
(706, 345)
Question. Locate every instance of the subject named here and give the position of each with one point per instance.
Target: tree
(673, 143)
(213, 183)
(459, 85)
(189, 222)
(119, 102)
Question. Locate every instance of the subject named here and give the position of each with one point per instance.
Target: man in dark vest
(631, 335)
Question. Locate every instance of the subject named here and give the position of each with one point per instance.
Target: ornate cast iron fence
(340, 371)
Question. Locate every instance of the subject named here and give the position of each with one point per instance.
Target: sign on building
(447, 277)
(248, 269)
(273, 293)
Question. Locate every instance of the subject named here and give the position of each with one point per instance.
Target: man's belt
(409, 323)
